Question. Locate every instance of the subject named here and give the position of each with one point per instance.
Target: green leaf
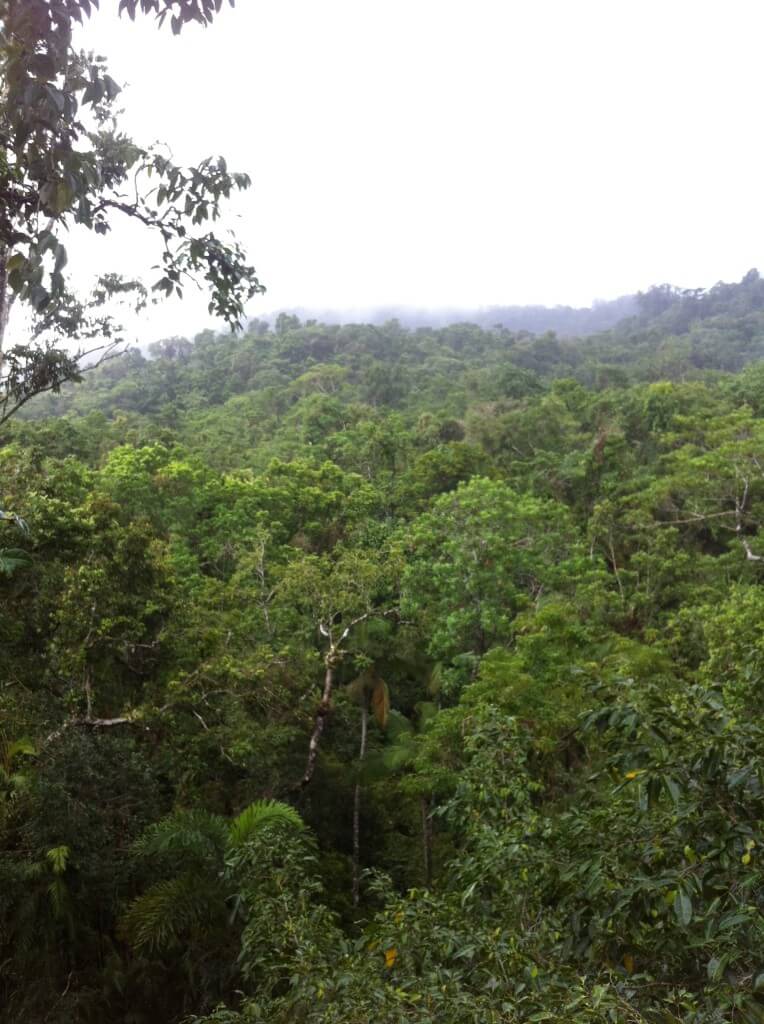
(673, 789)
(61, 259)
(714, 968)
(683, 907)
(15, 262)
(111, 88)
(63, 197)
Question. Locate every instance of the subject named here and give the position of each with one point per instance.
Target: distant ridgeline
(684, 305)
(563, 320)
(671, 334)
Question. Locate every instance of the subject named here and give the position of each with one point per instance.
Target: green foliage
(204, 844)
(259, 815)
(195, 836)
(547, 551)
(481, 556)
(12, 559)
(168, 911)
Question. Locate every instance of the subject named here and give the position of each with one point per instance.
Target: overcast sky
(435, 153)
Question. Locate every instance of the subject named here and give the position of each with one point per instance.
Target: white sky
(432, 153)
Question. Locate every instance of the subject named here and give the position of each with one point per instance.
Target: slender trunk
(616, 571)
(5, 303)
(88, 693)
(426, 839)
(321, 715)
(357, 807)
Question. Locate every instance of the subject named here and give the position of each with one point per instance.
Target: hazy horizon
(414, 155)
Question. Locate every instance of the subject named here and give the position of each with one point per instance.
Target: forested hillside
(362, 674)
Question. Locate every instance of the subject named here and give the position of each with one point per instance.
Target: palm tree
(201, 892)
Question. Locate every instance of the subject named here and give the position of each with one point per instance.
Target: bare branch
(740, 504)
(697, 517)
(749, 554)
(375, 614)
(92, 723)
(332, 660)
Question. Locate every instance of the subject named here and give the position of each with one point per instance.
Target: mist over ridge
(535, 318)
(676, 307)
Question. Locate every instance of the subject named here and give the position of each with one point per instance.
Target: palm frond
(258, 815)
(12, 559)
(194, 835)
(168, 910)
(400, 754)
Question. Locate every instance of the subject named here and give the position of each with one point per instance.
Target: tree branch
(740, 504)
(332, 659)
(109, 351)
(93, 723)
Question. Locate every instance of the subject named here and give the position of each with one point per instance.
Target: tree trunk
(426, 840)
(321, 715)
(5, 302)
(88, 693)
(357, 807)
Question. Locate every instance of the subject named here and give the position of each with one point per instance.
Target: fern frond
(168, 910)
(258, 815)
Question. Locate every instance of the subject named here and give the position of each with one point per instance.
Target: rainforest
(364, 673)
(400, 668)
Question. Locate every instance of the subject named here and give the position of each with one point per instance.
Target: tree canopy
(357, 673)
